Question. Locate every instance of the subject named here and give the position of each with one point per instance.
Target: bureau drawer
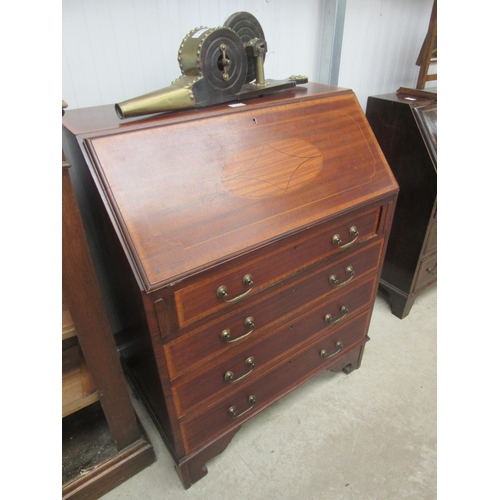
(254, 318)
(274, 383)
(427, 272)
(210, 381)
(431, 240)
(243, 277)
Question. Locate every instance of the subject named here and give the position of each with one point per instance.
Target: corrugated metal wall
(381, 43)
(118, 49)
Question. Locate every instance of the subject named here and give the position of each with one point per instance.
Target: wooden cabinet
(242, 247)
(405, 125)
(102, 441)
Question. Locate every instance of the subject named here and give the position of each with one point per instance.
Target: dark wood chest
(241, 247)
(405, 125)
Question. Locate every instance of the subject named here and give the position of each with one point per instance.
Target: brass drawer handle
(432, 270)
(222, 290)
(343, 313)
(335, 282)
(226, 334)
(251, 401)
(324, 353)
(352, 232)
(229, 376)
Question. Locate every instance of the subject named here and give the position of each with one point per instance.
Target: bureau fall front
(241, 250)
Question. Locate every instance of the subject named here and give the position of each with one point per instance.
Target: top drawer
(243, 277)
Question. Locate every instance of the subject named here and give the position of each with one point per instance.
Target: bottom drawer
(257, 395)
(427, 272)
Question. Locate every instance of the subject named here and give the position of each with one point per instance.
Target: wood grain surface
(189, 194)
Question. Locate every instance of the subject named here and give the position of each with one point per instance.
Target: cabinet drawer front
(270, 308)
(431, 240)
(271, 264)
(427, 272)
(274, 383)
(210, 383)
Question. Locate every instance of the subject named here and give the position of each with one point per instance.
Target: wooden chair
(428, 52)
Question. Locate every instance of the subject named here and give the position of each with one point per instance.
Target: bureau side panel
(399, 138)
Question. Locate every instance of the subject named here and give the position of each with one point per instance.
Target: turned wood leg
(192, 468)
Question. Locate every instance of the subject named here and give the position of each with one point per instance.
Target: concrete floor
(370, 435)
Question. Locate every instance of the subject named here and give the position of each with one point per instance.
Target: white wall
(381, 43)
(118, 49)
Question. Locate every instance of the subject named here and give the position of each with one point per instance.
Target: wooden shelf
(78, 387)
(68, 327)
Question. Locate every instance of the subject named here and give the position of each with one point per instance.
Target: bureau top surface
(417, 98)
(189, 190)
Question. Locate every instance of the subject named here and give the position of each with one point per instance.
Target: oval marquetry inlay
(271, 169)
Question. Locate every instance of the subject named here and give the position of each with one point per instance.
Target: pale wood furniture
(91, 373)
(78, 388)
(405, 125)
(243, 247)
(427, 56)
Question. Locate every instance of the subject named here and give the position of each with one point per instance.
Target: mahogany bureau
(240, 247)
(405, 125)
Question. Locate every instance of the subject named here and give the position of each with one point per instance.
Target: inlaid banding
(272, 168)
